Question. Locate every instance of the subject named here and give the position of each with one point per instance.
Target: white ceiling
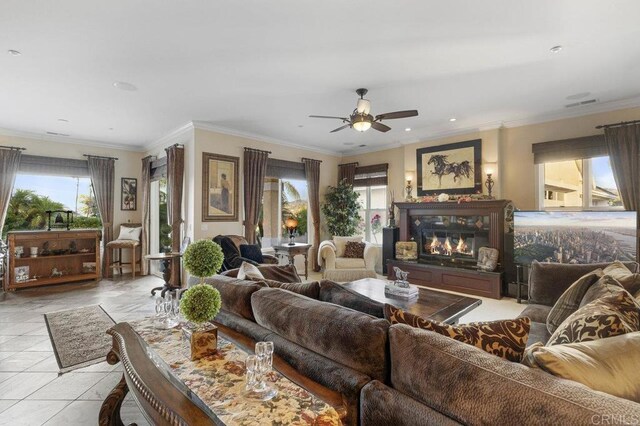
(261, 67)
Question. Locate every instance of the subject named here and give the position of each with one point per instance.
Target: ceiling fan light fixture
(363, 107)
(361, 123)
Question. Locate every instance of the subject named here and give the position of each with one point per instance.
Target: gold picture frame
(219, 188)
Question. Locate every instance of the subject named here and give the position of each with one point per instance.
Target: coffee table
(432, 304)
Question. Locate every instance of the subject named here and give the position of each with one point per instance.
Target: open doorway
(160, 235)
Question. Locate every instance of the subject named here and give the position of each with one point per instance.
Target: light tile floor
(31, 390)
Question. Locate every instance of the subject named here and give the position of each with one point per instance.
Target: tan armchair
(340, 268)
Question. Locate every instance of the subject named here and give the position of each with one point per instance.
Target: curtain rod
(256, 150)
(179, 145)
(348, 164)
(622, 123)
(311, 159)
(100, 156)
(13, 147)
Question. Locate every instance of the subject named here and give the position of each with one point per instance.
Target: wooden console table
(292, 250)
(173, 390)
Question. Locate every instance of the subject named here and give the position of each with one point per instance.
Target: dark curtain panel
(255, 168)
(623, 143)
(312, 171)
(175, 180)
(347, 172)
(102, 175)
(145, 206)
(9, 164)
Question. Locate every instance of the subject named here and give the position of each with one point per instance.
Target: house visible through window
(371, 183)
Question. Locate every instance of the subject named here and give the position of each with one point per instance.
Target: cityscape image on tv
(574, 237)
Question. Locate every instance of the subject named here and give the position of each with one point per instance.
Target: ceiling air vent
(581, 103)
(57, 134)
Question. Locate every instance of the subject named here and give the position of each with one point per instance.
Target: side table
(166, 260)
(292, 250)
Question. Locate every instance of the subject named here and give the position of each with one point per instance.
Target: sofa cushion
(605, 317)
(536, 313)
(242, 325)
(504, 338)
(607, 365)
(285, 274)
(354, 250)
(236, 294)
(569, 301)
(248, 271)
(333, 292)
(252, 252)
(629, 280)
(605, 286)
(341, 243)
(311, 289)
(350, 263)
(538, 333)
(477, 388)
(348, 337)
(547, 281)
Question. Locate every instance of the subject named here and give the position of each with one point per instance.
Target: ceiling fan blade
(340, 128)
(380, 127)
(397, 114)
(328, 116)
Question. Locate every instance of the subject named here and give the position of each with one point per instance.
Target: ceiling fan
(361, 120)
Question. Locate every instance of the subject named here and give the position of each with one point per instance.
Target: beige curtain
(255, 168)
(312, 172)
(175, 181)
(623, 143)
(9, 164)
(102, 172)
(146, 207)
(347, 172)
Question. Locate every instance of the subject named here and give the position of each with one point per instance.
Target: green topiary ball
(203, 258)
(200, 303)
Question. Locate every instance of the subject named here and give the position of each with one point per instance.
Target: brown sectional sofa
(398, 374)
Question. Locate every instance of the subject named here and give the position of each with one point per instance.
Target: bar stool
(126, 244)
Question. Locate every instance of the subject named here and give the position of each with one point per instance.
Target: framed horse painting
(453, 168)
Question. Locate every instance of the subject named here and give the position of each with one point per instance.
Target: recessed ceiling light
(556, 49)
(348, 143)
(362, 146)
(123, 85)
(14, 52)
(578, 96)
(452, 119)
(407, 129)
(63, 120)
(110, 128)
(300, 125)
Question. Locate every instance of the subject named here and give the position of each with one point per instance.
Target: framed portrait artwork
(219, 188)
(128, 193)
(453, 168)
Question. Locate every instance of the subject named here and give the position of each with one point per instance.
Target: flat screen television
(574, 237)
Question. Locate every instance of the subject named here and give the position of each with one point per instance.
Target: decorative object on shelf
(21, 273)
(291, 224)
(258, 366)
(376, 226)
(408, 188)
(489, 184)
(392, 211)
(128, 193)
(443, 197)
(406, 250)
(33, 251)
(400, 288)
(488, 259)
(341, 210)
(89, 267)
(464, 199)
(455, 168)
(199, 304)
(18, 251)
(219, 188)
(45, 249)
(490, 171)
(55, 273)
(59, 221)
(73, 247)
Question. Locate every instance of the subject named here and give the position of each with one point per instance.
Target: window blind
(569, 149)
(53, 166)
(371, 175)
(283, 169)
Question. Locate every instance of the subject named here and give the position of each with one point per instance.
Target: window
(579, 184)
(371, 183)
(34, 194)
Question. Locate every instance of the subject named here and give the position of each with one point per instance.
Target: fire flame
(462, 246)
(434, 245)
(447, 247)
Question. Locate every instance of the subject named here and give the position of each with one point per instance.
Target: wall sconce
(490, 169)
(409, 189)
(291, 224)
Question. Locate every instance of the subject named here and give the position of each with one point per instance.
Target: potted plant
(201, 303)
(341, 209)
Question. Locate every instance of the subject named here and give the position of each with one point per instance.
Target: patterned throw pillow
(605, 317)
(504, 338)
(570, 300)
(354, 250)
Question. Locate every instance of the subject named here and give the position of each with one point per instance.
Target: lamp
(489, 169)
(361, 122)
(291, 224)
(409, 188)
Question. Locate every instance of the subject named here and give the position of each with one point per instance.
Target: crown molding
(203, 125)
(169, 137)
(70, 140)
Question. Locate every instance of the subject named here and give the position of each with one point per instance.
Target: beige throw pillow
(570, 300)
(629, 280)
(248, 271)
(341, 243)
(608, 365)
